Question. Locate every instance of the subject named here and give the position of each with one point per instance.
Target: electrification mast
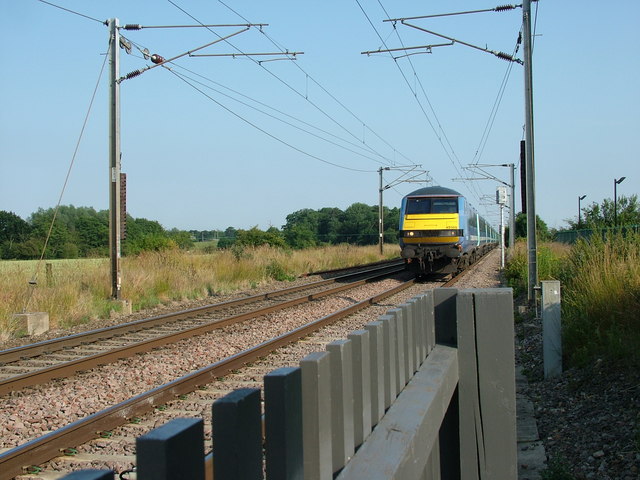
(114, 160)
(529, 158)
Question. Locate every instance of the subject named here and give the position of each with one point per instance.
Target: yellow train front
(441, 231)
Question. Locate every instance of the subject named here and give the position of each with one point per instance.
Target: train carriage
(440, 230)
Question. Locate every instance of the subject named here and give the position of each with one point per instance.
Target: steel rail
(49, 346)
(40, 376)
(49, 446)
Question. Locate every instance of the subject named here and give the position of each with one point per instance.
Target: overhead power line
(104, 22)
(33, 282)
(128, 44)
(439, 136)
(316, 82)
(285, 83)
(278, 139)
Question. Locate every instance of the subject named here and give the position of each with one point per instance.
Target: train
(441, 231)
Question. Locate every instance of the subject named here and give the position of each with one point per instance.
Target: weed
(557, 469)
(276, 271)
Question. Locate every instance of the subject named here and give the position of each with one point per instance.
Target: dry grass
(602, 300)
(78, 290)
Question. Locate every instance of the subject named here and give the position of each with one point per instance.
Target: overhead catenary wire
(281, 80)
(357, 145)
(501, 55)
(496, 105)
(317, 83)
(286, 122)
(104, 22)
(34, 278)
(425, 94)
(413, 91)
(274, 137)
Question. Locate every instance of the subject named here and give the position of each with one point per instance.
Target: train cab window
(418, 206)
(444, 205)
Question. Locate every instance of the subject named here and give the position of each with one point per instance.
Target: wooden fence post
(390, 359)
(487, 384)
(283, 424)
(237, 436)
(376, 352)
(361, 358)
(341, 402)
(429, 322)
(316, 412)
(173, 451)
(397, 316)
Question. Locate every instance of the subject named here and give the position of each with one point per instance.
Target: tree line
(80, 232)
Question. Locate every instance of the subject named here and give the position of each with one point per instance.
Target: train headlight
(411, 234)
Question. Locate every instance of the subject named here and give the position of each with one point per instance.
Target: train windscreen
(422, 205)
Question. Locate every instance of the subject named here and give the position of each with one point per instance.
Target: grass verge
(77, 291)
(600, 281)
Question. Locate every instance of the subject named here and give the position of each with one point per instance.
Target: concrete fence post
(551, 328)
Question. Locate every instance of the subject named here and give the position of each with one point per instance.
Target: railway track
(189, 395)
(38, 363)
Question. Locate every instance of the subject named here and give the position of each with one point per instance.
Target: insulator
(504, 8)
(504, 56)
(133, 74)
(132, 26)
(156, 59)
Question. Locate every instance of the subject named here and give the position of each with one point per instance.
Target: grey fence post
(429, 324)
(237, 436)
(471, 448)
(360, 354)
(418, 331)
(412, 336)
(173, 451)
(89, 475)
(316, 412)
(398, 316)
(407, 318)
(551, 328)
(376, 352)
(487, 384)
(444, 330)
(390, 359)
(444, 300)
(283, 424)
(342, 402)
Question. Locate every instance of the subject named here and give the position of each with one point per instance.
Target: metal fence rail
(427, 391)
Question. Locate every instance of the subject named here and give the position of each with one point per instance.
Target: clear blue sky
(192, 163)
